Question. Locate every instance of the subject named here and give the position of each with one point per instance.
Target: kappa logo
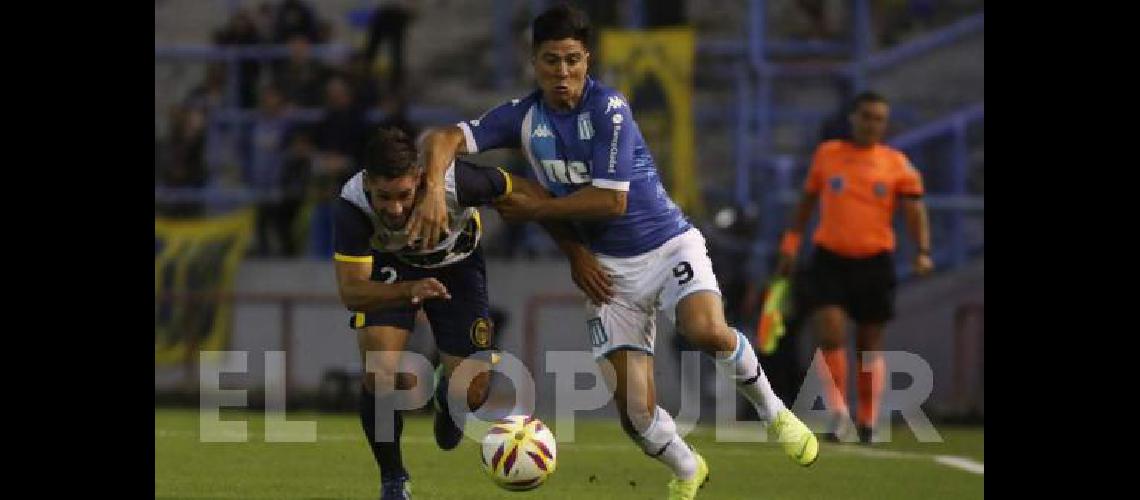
(615, 102)
(474, 123)
(542, 131)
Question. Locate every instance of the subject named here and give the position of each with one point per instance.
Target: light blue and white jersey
(598, 144)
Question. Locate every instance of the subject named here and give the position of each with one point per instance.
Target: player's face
(393, 199)
(869, 122)
(560, 67)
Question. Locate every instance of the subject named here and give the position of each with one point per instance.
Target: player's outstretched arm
(590, 202)
(585, 269)
(359, 293)
(429, 219)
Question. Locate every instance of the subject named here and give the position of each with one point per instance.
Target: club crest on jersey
(542, 131)
(615, 102)
(585, 128)
(836, 183)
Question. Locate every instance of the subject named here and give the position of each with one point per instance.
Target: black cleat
(865, 434)
(399, 488)
(447, 434)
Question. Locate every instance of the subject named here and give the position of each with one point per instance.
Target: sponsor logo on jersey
(614, 145)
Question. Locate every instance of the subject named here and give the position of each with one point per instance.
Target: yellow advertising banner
(195, 256)
(654, 69)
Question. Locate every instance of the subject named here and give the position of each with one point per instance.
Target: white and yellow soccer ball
(519, 453)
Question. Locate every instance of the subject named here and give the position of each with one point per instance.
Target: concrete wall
(324, 341)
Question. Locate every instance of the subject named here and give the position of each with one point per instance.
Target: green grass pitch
(600, 464)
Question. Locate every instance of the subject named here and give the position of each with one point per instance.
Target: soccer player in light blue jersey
(641, 252)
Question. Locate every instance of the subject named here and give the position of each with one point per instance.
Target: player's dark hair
(560, 22)
(867, 96)
(390, 154)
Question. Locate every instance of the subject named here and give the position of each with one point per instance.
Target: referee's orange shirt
(857, 189)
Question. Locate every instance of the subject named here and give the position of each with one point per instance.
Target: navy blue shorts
(461, 326)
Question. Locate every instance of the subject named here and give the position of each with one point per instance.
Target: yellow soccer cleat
(687, 490)
(798, 441)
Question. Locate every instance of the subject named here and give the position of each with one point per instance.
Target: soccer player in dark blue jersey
(586, 150)
(385, 279)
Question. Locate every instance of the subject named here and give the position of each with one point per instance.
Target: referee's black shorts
(863, 287)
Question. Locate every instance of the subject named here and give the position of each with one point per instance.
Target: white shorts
(643, 284)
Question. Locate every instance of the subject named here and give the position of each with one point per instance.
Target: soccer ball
(519, 453)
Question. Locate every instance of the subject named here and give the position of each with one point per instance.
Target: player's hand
(516, 208)
(591, 278)
(923, 264)
(429, 219)
(427, 288)
(785, 265)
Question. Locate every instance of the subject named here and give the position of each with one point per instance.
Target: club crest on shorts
(481, 333)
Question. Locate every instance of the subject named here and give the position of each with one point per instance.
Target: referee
(857, 184)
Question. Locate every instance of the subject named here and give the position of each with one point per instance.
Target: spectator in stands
(295, 18)
(339, 138)
(183, 162)
(390, 25)
(266, 158)
(241, 30)
(301, 77)
(341, 134)
(819, 15)
(211, 93)
(265, 20)
(363, 82)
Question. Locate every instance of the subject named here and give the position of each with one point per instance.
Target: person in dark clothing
(390, 25)
(240, 31)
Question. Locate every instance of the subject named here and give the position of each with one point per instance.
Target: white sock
(662, 442)
(742, 367)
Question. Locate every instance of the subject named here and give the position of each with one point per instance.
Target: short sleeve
(910, 181)
(352, 232)
(498, 128)
(611, 164)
